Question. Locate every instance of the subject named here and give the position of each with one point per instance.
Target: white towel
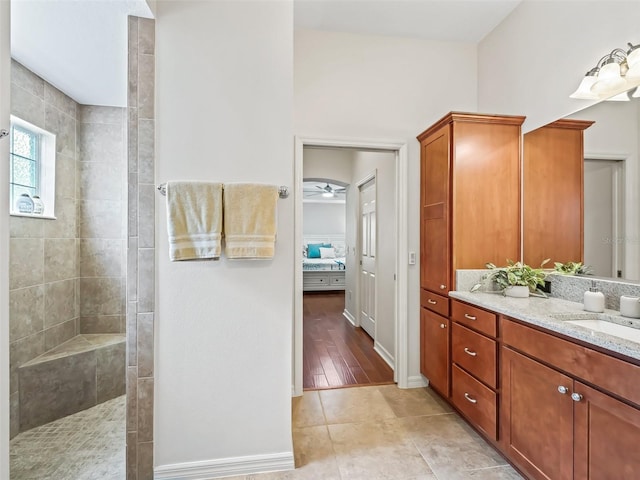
(194, 220)
(250, 220)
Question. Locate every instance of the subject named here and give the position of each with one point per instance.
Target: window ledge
(31, 215)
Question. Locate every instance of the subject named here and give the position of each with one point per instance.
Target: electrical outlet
(412, 258)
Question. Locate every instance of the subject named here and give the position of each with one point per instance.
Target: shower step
(84, 371)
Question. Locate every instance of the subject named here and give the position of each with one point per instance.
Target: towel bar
(283, 191)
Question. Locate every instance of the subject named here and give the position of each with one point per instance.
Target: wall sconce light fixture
(614, 74)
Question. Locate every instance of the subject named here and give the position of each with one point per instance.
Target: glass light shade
(633, 58)
(621, 97)
(328, 194)
(584, 90)
(609, 80)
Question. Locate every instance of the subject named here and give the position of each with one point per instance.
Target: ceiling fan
(326, 191)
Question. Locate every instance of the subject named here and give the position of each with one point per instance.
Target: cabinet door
(536, 418)
(434, 350)
(607, 433)
(434, 221)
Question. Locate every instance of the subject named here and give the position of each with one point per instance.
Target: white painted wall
(383, 163)
(5, 69)
(616, 133)
(380, 88)
(320, 218)
(533, 60)
(224, 329)
(329, 163)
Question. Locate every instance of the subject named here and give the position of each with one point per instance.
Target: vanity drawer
(477, 402)
(434, 302)
(475, 353)
(473, 317)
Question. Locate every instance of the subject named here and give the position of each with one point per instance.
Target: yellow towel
(194, 220)
(250, 220)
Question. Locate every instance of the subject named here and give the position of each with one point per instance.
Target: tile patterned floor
(360, 433)
(384, 433)
(89, 445)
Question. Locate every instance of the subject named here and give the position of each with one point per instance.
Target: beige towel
(194, 220)
(250, 220)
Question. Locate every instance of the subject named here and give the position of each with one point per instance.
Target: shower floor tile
(85, 446)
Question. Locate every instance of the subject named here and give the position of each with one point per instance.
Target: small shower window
(32, 170)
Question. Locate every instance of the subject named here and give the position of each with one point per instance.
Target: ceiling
(80, 46)
(443, 20)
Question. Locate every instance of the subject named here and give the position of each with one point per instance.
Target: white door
(368, 233)
(603, 245)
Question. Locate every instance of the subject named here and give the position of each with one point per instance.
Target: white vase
(517, 291)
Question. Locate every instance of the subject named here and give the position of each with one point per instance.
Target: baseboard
(225, 467)
(348, 316)
(386, 356)
(417, 381)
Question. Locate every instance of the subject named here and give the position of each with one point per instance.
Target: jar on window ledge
(24, 203)
(38, 206)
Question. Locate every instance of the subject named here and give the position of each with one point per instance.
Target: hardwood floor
(335, 353)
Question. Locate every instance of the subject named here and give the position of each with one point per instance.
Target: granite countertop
(552, 313)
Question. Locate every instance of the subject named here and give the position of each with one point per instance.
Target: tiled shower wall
(67, 275)
(141, 249)
(102, 228)
(43, 271)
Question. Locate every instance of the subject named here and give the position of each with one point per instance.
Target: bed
(326, 272)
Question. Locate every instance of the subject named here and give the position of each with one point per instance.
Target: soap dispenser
(593, 299)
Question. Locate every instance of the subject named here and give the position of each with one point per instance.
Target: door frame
(401, 372)
(5, 82)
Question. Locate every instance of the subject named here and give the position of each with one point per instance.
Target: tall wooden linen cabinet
(553, 179)
(469, 215)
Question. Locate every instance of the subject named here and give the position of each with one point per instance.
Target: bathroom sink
(610, 328)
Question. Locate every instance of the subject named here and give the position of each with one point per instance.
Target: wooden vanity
(556, 406)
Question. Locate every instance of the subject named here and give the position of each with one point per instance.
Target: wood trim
(516, 120)
(570, 124)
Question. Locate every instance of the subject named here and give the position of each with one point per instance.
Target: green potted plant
(571, 268)
(517, 279)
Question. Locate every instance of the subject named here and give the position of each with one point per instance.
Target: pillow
(313, 250)
(327, 252)
(340, 250)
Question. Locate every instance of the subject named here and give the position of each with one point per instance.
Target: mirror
(611, 188)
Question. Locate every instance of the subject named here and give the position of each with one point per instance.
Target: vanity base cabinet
(434, 348)
(607, 432)
(536, 418)
(556, 427)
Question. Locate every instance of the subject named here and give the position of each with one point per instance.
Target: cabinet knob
(432, 302)
(470, 352)
(470, 317)
(443, 287)
(562, 389)
(442, 325)
(576, 397)
(470, 398)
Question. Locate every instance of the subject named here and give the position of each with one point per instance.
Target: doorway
(604, 216)
(397, 350)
